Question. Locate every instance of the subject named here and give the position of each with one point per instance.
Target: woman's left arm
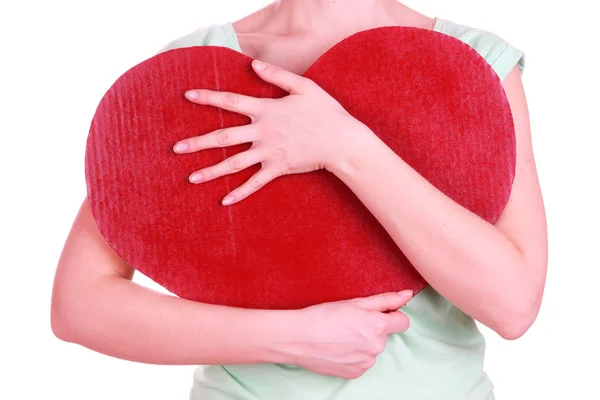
(495, 273)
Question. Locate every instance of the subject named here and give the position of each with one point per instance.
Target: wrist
(353, 143)
(285, 331)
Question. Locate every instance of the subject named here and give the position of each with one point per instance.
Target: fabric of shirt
(440, 357)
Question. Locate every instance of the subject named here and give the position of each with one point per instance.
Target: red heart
(302, 239)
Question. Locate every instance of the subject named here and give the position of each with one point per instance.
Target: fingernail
(179, 147)
(227, 200)
(191, 95)
(407, 293)
(259, 65)
(195, 178)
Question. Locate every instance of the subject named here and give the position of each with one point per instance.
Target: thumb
(390, 301)
(286, 80)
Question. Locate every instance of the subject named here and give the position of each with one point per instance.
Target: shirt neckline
(233, 41)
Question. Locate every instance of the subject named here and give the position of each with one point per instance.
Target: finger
(258, 180)
(220, 138)
(286, 80)
(231, 165)
(235, 102)
(396, 322)
(390, 301)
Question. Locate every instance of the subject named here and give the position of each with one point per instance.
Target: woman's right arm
(96, 304)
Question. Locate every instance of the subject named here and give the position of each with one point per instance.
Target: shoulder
(500, 54)
(211, 35)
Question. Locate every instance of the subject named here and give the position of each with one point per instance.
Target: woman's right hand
(344, 338)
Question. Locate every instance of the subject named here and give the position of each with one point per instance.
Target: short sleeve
(500, 54)
(213, 35)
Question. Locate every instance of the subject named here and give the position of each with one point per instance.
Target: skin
(498, 278)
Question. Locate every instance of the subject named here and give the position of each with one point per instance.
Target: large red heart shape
(302, 239)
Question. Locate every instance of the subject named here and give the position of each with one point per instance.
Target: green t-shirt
(441, 355)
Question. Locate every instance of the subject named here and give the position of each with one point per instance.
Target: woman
(354, 349)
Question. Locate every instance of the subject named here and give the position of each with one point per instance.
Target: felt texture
(302, 239)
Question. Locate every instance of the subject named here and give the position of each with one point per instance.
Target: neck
(331, 6)
(316, 15)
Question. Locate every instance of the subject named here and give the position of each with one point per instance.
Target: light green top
(441, 355)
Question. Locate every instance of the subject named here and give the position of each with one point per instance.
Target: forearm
(117, 317)
(469, 261)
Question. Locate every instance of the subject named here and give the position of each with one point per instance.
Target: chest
(294, 54)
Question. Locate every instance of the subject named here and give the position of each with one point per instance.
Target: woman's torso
(439, 357)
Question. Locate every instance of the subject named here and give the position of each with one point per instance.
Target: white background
(59, 57)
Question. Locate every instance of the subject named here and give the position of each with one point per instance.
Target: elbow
(518, 315)
(58, 323)
(517, 319)
(520, 308)
(62, 317)
(513, 330)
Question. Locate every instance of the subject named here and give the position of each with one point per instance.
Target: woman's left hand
(301, 132)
